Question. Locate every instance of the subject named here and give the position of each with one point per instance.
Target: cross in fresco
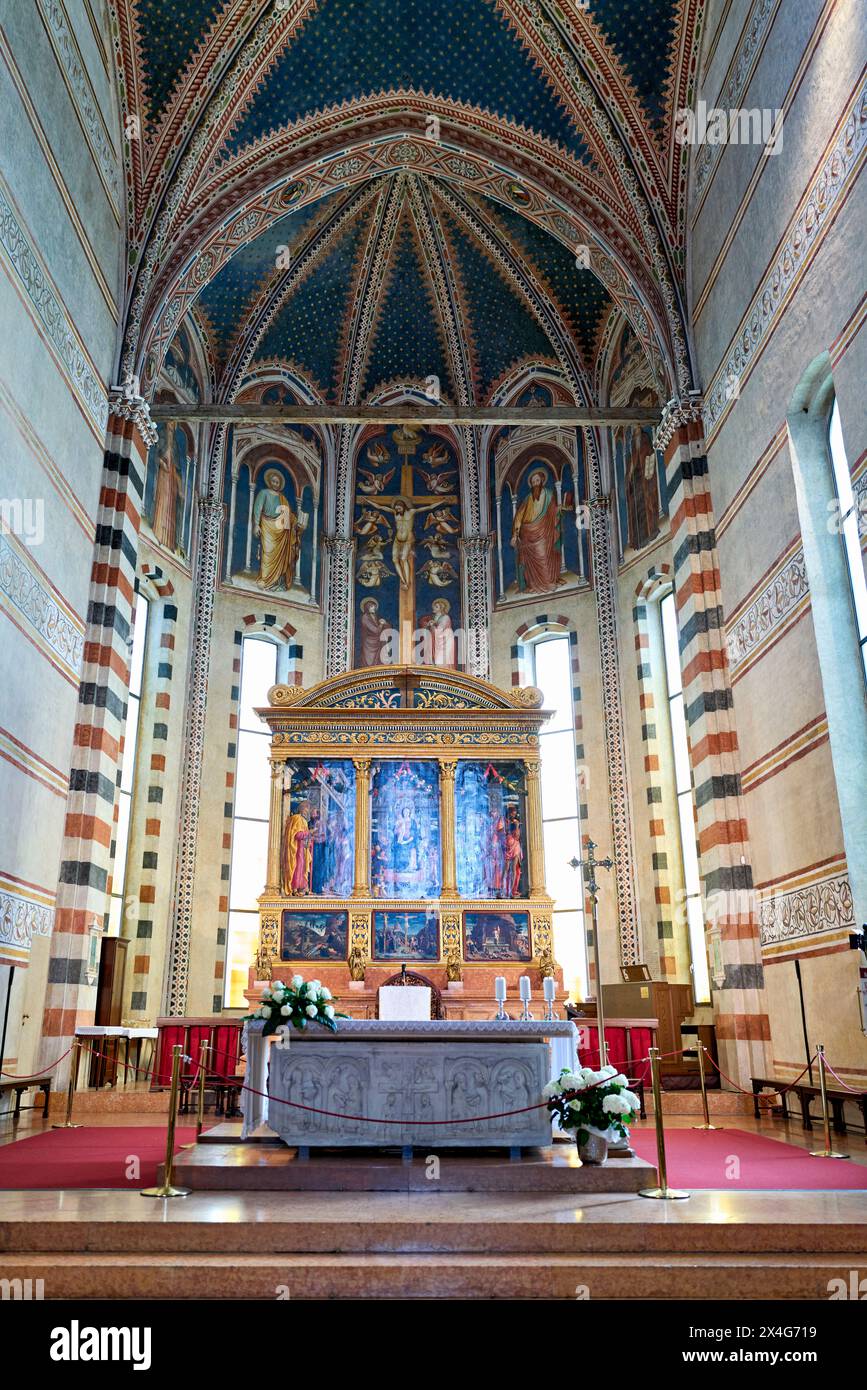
(404, 507)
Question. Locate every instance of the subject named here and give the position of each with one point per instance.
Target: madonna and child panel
(308, 934)
(406, 936)
(405, 841)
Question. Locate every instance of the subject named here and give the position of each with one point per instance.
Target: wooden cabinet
(669, 1003)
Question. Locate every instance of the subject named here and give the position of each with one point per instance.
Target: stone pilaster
(535, 842)
(447, 827)
(361, 886)
(275, 826)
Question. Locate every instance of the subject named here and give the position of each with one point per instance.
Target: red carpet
(102, 1156)
(732, 1159)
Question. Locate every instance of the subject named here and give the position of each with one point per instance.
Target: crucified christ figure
(404, 513)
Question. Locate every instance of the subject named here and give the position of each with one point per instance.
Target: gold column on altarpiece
(535, 844)
(361, 886)
(275, 826)
(447, 828)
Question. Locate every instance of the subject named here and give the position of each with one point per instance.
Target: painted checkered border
(283, 633)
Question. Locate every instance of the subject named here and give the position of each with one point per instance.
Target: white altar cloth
(482, 1034)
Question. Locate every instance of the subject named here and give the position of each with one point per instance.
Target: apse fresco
(272, 505)
(491, 830)
(308, 934)
(406, 936)
(318, 849)
(169, 489)
(640, 475)
(497, 936)
(542, 540)
(405, 842)
(179, 367)
(407, 523)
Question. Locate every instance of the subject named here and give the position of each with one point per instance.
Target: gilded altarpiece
(406, 827)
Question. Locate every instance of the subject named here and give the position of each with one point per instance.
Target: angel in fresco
(439, 573)
(373, 482)
(371, 572)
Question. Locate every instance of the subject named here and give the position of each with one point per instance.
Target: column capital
(678, 413)
(448, 768)
(124, 402)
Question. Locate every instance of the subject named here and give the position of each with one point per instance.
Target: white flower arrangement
(297, 1004)
(592, 1101)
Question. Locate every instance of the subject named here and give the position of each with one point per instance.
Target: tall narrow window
(849, 530)
(552, 673)
(250, 818)
(128, 765)
(685, 801)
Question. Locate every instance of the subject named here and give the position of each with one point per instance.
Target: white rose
(576, 1104)
(311, 1011)
(313, 986)
(297, 981)
(277, 984)
(266, 993)
(328, 1011)
(552, 1089)
(325, 993)
(265, 1011)
(588, 1076)
(286, 1010)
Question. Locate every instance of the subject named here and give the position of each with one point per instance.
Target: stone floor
(435, 1244)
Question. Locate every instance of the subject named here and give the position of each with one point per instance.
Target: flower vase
(594, 1148)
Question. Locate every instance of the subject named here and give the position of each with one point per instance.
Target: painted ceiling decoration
(460, 185)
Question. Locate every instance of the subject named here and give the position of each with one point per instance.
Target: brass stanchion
(662, 1191)
(701, 1076)
(70, 1090)
(828, 1151)
(204, 1049)
(166, 1189)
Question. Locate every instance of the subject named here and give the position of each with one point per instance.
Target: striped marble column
(85, 865)
(730, 907)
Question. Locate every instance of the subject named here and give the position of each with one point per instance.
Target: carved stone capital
(678, 413)
(124, 402)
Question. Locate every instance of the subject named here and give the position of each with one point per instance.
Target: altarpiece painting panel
(405, 844)
(490, 816)
(318, 828)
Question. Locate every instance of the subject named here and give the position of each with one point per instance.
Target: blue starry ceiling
(408, 338)
(642, 33)
(461, 49)
(237, 285)
(169, 31)
(579, 293)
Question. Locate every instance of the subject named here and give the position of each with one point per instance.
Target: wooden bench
(42, 1083)
(806, 1093)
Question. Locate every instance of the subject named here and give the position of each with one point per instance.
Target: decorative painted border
(28, 597)
(805, 907)
(71, 64)
(26, 910)
(782, 600)
(806, 231)
(33, 280)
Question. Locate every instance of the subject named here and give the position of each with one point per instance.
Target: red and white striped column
(730, 907)
(86, 853)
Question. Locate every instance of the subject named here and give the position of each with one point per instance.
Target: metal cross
(590, 865)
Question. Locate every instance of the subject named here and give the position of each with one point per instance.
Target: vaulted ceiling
(378, 190)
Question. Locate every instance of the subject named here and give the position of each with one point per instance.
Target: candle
(500, 989)
(549, 988)
(524, 988)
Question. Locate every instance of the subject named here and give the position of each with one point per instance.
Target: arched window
(550, 658)
(259, 671)
(679, 753)
(128, 764)
(848, 523)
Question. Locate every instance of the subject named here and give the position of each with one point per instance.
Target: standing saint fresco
(537, 537)
(167, 492)
(279, 533)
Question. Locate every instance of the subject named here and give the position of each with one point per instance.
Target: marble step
(448, 1276)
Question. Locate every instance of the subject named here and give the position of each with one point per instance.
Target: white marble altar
(401, 1072)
